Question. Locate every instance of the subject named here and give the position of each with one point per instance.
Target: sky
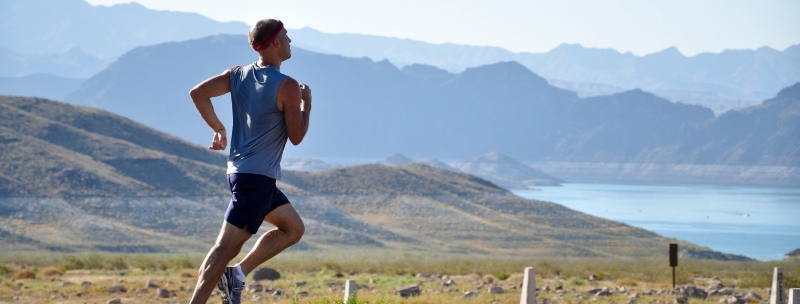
(637, 26)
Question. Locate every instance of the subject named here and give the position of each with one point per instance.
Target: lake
(758, 222)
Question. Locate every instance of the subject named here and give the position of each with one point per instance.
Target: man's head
(268, 33)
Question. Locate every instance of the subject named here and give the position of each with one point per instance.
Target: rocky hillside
(75, 179)
(54, 149)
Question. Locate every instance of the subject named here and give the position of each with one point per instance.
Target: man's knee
(296, 231)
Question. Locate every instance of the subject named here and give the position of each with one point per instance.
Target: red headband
(269, 38)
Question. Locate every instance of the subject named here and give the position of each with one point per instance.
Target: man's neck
(262, 62)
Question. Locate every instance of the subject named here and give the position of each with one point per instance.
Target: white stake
(776, 295)
(349, 289)
(528, 287)
(794, 296)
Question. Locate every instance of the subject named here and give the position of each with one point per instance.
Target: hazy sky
(637, 26)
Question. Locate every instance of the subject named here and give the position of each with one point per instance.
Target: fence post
(794, 296)
(528, 287)
(349, 289)
(776, 295)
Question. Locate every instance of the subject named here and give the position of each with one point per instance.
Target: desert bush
(25, 274)
(575, 281)
(4, 270)
(503, 275)
(117, 263)
(52, 271)
(73, 262)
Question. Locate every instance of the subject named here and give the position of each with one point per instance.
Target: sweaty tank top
(259, 131)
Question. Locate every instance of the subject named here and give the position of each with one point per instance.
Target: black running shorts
(253, 196)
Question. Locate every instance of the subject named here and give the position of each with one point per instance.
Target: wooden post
(349, 289)
(776, 295)
(528, 287)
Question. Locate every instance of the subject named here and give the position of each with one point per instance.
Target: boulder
(163, 293)
(265, 273)
(750, 296)
(150, 284)
(114, 301)
(495, 290)
(117, 288)
(470, 294)
(407, 291)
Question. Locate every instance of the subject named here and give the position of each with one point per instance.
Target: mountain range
(728, 80)
(91, 37)
(77, 178)
(427, 112)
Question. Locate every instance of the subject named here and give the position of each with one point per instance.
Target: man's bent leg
(228, 244)
(289, 228)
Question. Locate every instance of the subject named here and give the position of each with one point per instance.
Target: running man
(268, 108)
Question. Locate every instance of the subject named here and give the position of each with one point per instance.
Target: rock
(117, 288)
(593, 277)
(691, 292)
(622, 289)
(265, 273)
(339, 275)
(593, 291)
(254, 287)
(547, 288)
(495, 290)
(300, 283)
(163, 293)
(302, 294)
(277, 292)
(681, 300)
(470, 294)
(751, 295)
(732, 300)
(725, 291)
(86, 284)
(64, 283)
(256, 298)
(143, 290)
(407, 291)
(633, 296)
(151, 284)
(114, 301)
(448, 283)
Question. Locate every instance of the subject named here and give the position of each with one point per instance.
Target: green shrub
(576, 281)
(117, 263)
(4, 270)
(503, 275)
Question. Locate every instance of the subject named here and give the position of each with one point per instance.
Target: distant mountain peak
(789, 92)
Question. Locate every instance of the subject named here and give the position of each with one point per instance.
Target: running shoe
(230, 287)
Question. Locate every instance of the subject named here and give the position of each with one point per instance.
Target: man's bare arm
(201, 95)
(295, 101)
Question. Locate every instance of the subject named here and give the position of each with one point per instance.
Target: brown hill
(57, 149)
(75, 178)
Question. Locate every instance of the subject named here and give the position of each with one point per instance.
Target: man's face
(285, 49)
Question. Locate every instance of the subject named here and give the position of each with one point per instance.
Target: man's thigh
(284, 217)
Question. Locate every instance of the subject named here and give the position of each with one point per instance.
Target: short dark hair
(261, 29)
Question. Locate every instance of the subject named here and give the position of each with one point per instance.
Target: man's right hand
(220, 140)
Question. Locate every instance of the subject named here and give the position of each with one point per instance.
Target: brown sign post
(673, 260)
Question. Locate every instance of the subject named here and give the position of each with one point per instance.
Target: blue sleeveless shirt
(259, 130)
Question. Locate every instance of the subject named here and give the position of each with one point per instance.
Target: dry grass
(52, 271)
(25, 274)
(380, 274)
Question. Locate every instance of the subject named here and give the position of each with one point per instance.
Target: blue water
(759, 222)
